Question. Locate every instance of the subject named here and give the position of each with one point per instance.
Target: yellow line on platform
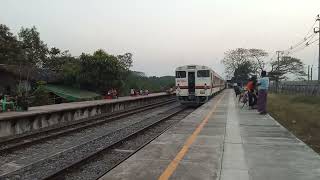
(175, 162)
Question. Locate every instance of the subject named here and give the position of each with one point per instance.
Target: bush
(40, 96)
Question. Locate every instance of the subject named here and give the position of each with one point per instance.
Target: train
(196, 84)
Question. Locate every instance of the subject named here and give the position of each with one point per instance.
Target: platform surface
(68, 106)
(234, 143)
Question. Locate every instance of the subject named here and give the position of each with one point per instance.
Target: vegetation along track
(65, 162)
(46, 134)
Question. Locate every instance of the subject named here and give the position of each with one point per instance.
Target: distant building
(14, 76)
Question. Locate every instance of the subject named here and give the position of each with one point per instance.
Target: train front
(193, 84)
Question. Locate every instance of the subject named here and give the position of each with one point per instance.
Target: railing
(301, 88)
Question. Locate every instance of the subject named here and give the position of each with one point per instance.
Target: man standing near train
(263, 85)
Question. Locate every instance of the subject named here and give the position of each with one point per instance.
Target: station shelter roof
(71, 94)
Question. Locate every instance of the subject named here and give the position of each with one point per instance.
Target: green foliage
(242, 60)
(40, 96)
(35, 50)
(97, 72)
(153, 84)
(57, 60)
(286, 65)
(243, 63)
(101, 71)
(70, 71)
(125, 60)
(28, 50)
(10, 50)
(242, 73)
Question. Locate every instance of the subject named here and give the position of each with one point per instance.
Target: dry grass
(299, 114)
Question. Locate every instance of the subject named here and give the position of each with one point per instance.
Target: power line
(303, 47)
(306, 38)
(301, 42)
(306, 41)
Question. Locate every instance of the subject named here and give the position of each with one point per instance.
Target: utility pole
(311, 73)
(277, 71)
(315, 31)
(308, 72)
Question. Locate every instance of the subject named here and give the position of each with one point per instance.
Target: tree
(57, 59)
(235, 58)
(242, 73)
(240, 58)
(70, 71)
(286, 65)
(257, 56)
(54, 51)
(35, 50)
(101, 71)
(10, 50)
(125, 60)
(138, 80)
(40, 95)
(241, 63)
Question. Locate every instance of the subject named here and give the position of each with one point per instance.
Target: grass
(299, 114)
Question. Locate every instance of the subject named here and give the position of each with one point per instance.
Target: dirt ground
(299, 114)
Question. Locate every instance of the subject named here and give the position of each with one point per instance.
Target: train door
(191, 83)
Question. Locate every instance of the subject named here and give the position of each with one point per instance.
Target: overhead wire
(303, 42)
(305, 45)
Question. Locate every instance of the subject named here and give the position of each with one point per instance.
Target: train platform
(222, 141)
(51, 116)
(70, 106)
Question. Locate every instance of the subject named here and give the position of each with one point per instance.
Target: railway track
(98, 163)
(19, 142)
(66, 163)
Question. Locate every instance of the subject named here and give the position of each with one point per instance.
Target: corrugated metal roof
(71, 94)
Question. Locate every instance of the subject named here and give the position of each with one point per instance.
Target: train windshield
(180, 74)
(203, 73)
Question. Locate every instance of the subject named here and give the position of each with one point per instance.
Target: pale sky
(164, 34)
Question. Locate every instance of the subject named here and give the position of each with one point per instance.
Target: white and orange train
(196, 84)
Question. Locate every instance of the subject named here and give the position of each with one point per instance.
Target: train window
(180, 74)
(203, 73)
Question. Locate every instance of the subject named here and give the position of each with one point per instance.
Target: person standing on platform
(251, 94)
(237, 89)
(263, 85)
(132, 92)
(115, 94)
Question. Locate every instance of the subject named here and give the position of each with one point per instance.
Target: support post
(318, 31)
(308, 72)
(277, 71)
(311, 72)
